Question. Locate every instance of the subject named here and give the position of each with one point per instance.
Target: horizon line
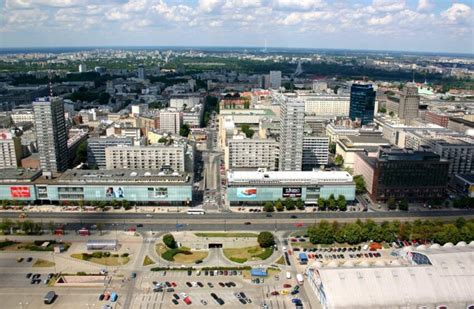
(240, 47)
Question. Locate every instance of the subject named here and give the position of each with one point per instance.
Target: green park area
(262, 251)
(37, 245)
(169, 251)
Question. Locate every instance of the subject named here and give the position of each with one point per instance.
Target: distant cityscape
(134, 142)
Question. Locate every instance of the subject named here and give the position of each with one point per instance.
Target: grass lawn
(108, 261)
(254, 253)
(161, 248)
(9, 245)
(307, 244)
(43, 263)
(281, 261)
(190, 258)
(148, 261)
(226, 234)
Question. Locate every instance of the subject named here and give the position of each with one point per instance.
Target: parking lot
(259, 294)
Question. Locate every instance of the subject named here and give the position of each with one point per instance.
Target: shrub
(97, 255)
(106, 254)
(81, 273)
(125, 254)
(169, 241)
(115, 255)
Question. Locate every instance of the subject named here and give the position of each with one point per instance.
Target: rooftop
(122, 176)
(445, 276)
(288, 176)
(19, 175)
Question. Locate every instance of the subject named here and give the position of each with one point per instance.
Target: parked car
(174, 301)
(176, 296)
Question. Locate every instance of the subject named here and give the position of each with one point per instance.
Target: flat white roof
(289, 176)
(448, 281)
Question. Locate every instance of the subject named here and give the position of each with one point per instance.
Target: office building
(275, 79)
(438, 277)
(438, 118)
(10, 150)
(325, 106)
(362, 103)
(255, 187)
(82, 68)
(146, 157)
(291, 134)
(170, 121)
(141, 74)
(51, 134)
(22, 115)
(184, 100)
(403, 174)
(348, 146)
(139, 109)
(96, 149)
(251, 154)
(409, 102)
(315, 151)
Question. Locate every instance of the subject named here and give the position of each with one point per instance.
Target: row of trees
(28, 227)
(332, 203)
(354, 233)
(280, 205)
(393, 204)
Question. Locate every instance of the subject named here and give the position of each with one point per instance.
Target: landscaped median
(37, 245)
(103, 258)
(225, 234)
(170, 252)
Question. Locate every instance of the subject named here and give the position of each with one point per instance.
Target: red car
(173, 284)
(287, 286)
(275, 293)
(187, 300)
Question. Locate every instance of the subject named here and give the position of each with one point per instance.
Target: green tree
(126, 205)
(339, 160)
(403, 205)
(391, 114)
(332, 148)
(247, 131)
(169, 241)
(265, 239)
(279, 206)
(332, 204)
(104, 98)
(289, 204)
(321, 203)
(268, 207)
(163, 140)
(321, 233)
(360, 184)
(353, 233)
(382, 110)
(342, 203)
(51, 226)
(81, 154)
(299, 204)
(448, 233)
(391, 203)
(184, 130)
(7, 225)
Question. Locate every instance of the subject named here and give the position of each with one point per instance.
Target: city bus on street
(196, 211)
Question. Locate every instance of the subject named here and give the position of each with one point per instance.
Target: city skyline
(366, 25)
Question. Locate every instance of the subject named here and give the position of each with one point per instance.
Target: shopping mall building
(257, 187)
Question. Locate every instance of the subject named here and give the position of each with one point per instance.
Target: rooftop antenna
(413, 80)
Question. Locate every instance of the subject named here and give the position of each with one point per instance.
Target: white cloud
(424, 5)
(457, 12)
(377, 21)
(388, 5)
(136, 5)
(25, 18)
(19, 4)
(299, 17)
(298, 4)
(116, 15)
(209, 5)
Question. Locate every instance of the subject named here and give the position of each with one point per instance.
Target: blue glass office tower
(362, 103)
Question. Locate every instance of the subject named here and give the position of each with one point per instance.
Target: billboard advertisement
(114, 192)
(247, 193)
(291, 192)
(20, 191)
(158, 192)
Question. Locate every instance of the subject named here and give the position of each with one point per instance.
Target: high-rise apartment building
(291, 134)
(51, 134)
(141, 74)
(275, 79)
(96, 149)
(362, 103)
(326, 106)
(315, 151)
(82, 68)
(409, 102)
(10, 150)
(170, 121)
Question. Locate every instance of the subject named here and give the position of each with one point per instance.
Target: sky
(407, 25)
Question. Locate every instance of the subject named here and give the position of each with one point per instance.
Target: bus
(196, 212)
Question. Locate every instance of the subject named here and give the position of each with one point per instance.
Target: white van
(288, 275)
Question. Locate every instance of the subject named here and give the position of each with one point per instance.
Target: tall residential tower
(51, 134)
(409, 102)
(291, 134)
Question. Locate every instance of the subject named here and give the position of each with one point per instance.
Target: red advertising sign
(20, 191)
